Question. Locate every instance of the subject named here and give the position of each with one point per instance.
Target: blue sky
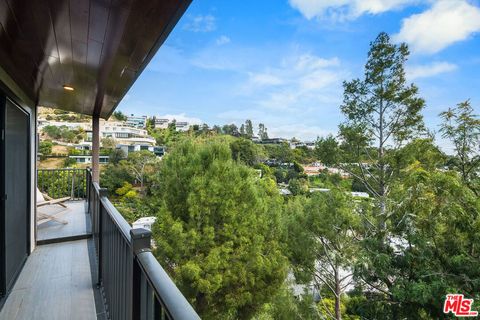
(282, 62)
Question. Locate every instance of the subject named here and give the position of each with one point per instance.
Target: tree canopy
(217, 231)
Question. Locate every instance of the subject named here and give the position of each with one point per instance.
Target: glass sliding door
(15, 213)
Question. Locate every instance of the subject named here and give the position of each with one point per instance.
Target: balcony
(95, 266)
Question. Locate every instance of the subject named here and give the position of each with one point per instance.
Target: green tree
(116, 155)
(109, 143)
(462, 127)
(303, 154)
(298, 186)
(140, 163)
(120, 116)
(280, 152)
(322, 242)
(150, 124)
(245, 151)
(242, 130)
(230, 129)
(204, 128)
(115, 175)
(52, 131)
(421, 150)
(387, 109)
(327, 150)
(217, 231)
(249, 128)
(285, 305)
(64, 133)
(432, 245)
(69, 162)
(45, 147)
(262, 131)
(168, 136)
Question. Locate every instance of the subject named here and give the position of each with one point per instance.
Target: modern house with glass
(136, 121)
(80, 56)
(123, 134)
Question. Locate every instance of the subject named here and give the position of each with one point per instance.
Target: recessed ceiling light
(69, 88)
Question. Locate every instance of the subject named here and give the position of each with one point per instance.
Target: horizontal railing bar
(96, 186)
(175, 303)
(117, 218)
(60, 169)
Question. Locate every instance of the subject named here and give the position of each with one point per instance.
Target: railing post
(102, 192)
(87, 190)
(74, 172)
(141, 240)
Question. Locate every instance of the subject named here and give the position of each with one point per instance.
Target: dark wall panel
(17, 189)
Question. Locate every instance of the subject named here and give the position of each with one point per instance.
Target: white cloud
(200, 23)
(299, 81)
(429, 70)
(264, 79)
(299, 131)
(445, 23)
(346, 9)
(181, 117)
(222, 40)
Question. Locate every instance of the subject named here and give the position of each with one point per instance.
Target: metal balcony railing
(59, 183)
(133, 284)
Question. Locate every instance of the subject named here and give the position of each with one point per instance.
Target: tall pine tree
(385, 111)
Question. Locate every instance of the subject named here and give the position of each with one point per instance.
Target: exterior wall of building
(123, 134)
(88, 159)
(137, 121)
(127, 148)
(182, 126)
(160, 123)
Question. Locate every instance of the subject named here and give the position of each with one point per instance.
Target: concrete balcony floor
(78, 222)
(56, 281)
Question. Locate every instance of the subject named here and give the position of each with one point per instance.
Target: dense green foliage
(63, 133)
(62, 183)
(239, 250)
(462, 127)
(218, 232)
(45, 147)
(61, 115)
(119, 115)
(322, 242)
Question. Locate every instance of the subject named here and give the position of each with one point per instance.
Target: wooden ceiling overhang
(97, 47)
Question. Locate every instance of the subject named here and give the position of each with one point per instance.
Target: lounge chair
(45, 200)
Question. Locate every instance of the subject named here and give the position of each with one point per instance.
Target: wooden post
(96, 148)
